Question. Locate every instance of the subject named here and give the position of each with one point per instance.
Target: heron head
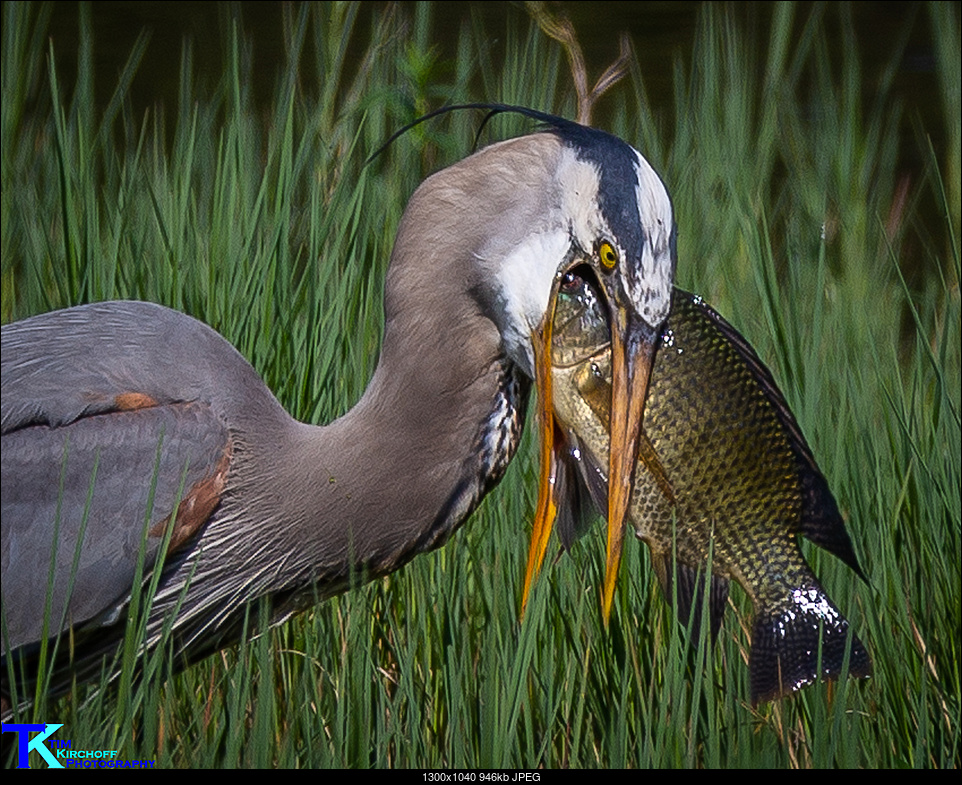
(522, 213)
(613, 215)
(582, 198)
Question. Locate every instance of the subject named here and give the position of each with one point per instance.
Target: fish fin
(788, 640)
(577, 508)
(593, 478)
(691, 591)
(587, 489)
(821, 522)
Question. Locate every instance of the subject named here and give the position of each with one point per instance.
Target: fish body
(724, 478)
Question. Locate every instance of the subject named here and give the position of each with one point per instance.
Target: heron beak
(633, 344)
(547, 509)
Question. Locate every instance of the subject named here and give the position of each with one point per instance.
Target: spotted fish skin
(742, 482)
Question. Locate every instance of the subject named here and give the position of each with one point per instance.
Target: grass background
(796, 222)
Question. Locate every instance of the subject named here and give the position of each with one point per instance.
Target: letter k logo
(25, 745)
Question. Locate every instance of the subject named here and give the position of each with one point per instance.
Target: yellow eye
(608, 255)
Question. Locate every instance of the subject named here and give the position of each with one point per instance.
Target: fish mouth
(633, 343)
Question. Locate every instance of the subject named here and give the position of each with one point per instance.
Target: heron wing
(87, 504)
(108, 428)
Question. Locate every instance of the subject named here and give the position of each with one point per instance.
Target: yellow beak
(547, 508)
(632, 355)
(633, 349)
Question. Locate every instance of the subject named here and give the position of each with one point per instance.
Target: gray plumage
(274, 508)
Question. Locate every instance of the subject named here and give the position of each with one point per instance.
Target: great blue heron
(102, 402)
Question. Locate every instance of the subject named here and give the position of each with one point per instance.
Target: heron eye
(608, 255)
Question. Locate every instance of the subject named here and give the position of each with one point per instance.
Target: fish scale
(743, 484)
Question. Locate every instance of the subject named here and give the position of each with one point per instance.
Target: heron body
(112, 412)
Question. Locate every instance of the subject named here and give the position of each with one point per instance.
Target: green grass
(263, 223)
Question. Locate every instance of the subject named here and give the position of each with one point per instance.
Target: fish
(724, 479)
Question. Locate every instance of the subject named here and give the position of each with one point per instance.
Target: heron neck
(432, 434)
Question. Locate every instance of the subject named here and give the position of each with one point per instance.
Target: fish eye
(571, 282)
(607, 255)
(580, 283)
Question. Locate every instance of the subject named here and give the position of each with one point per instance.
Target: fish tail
(791, 640)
